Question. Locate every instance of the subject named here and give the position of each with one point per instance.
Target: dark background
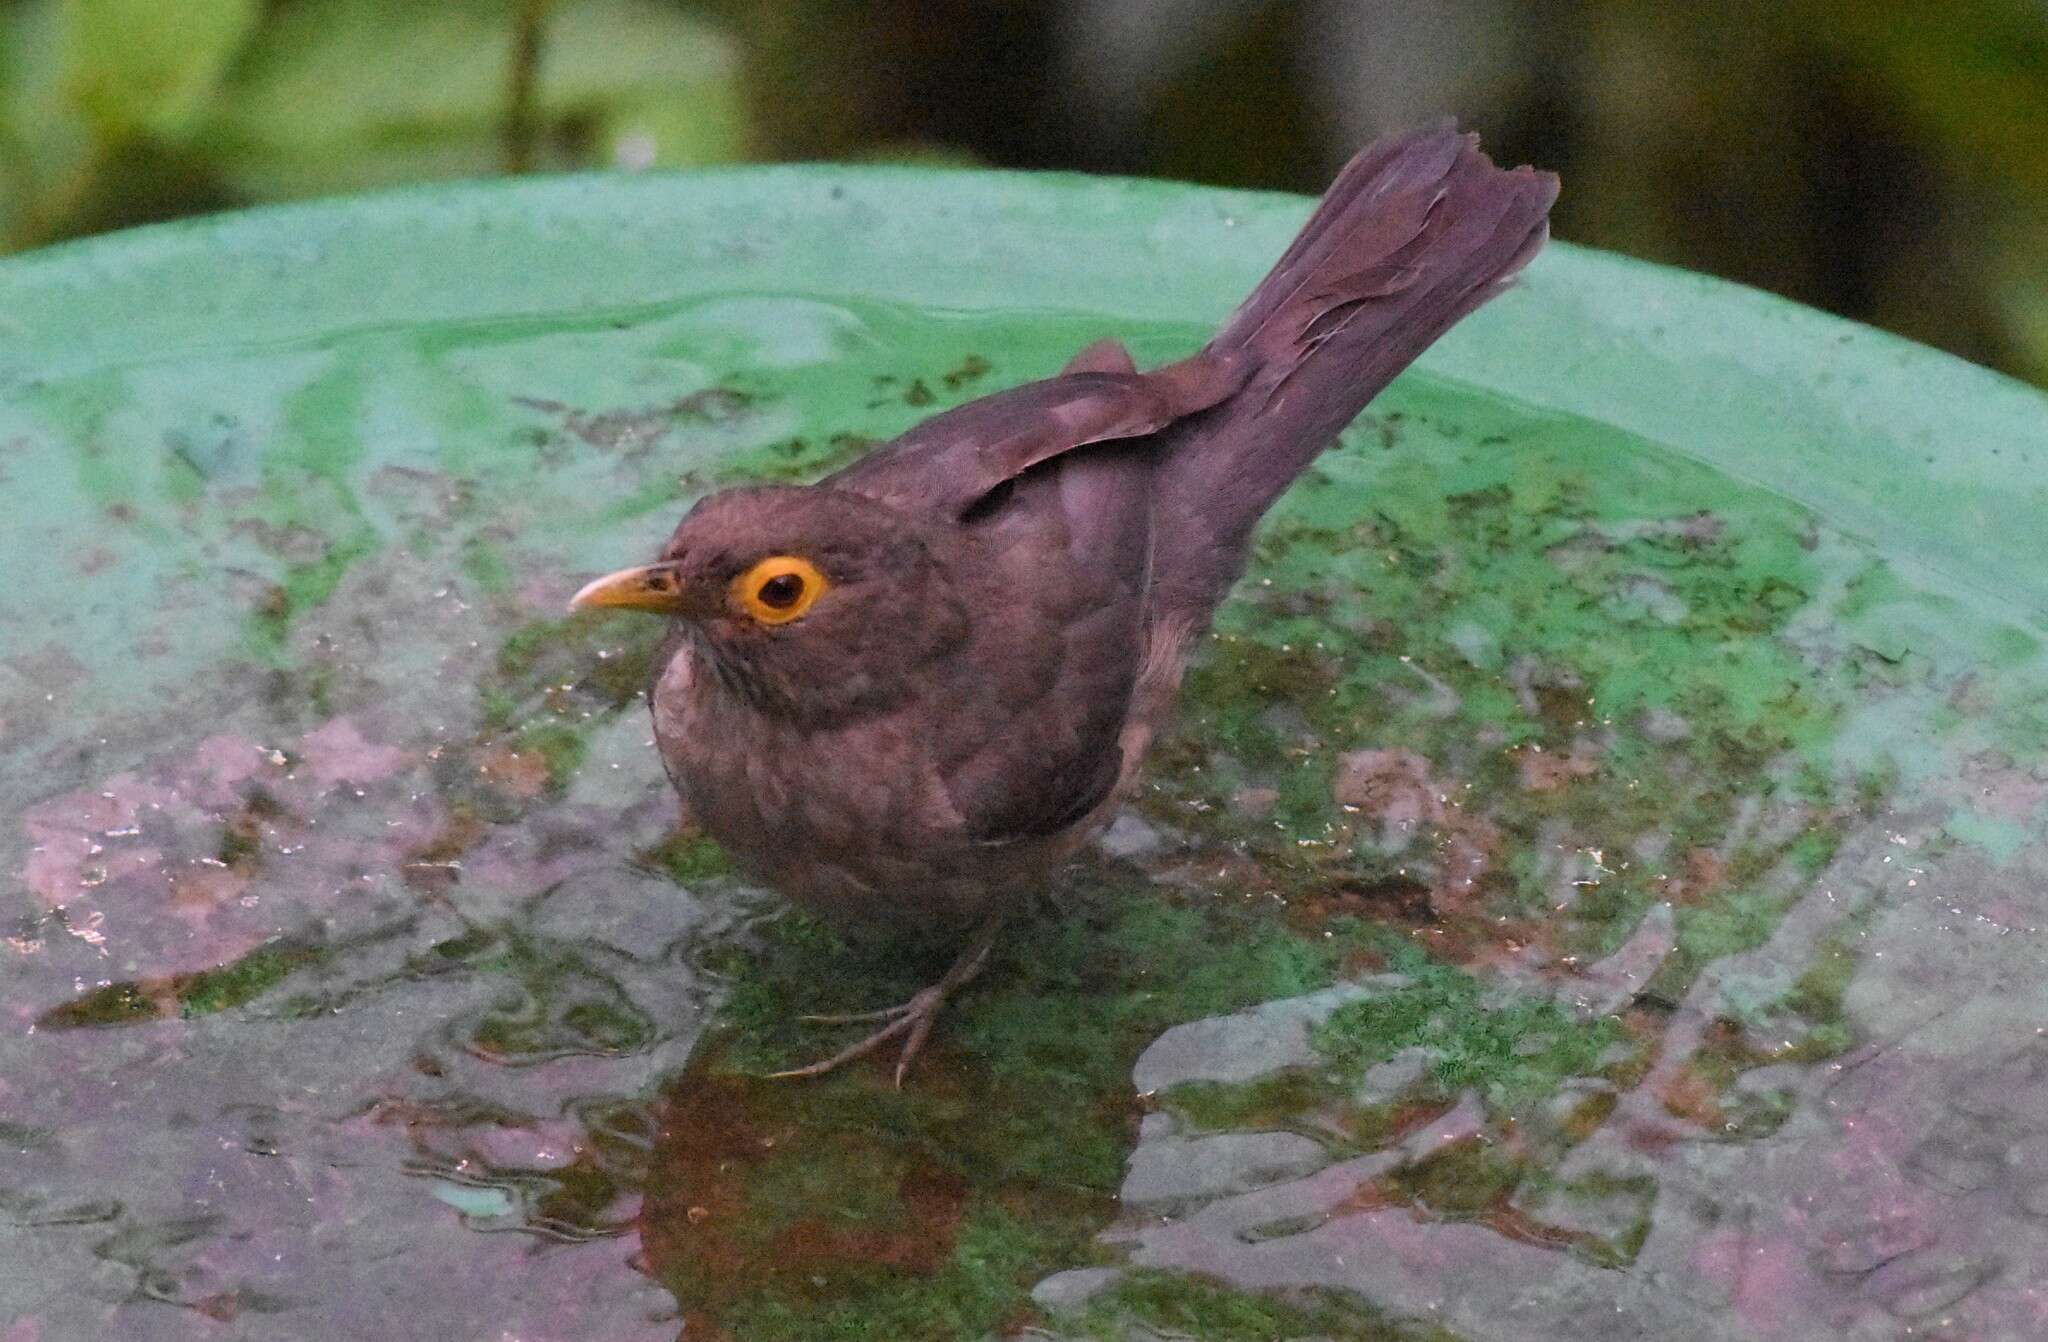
(1887, 161)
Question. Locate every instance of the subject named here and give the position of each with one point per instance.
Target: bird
(903, 696)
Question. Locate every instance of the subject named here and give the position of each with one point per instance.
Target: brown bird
(906, 694)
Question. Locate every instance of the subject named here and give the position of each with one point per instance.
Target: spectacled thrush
(906, 694)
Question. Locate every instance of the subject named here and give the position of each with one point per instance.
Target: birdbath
(1595, 887)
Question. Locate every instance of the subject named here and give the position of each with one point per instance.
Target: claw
(912, 1019)
(858, 1017)
(858, 1050)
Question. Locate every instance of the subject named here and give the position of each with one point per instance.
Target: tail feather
(1416, 232)
(1378, 202)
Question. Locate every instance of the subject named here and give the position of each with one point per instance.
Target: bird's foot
(910, 1021)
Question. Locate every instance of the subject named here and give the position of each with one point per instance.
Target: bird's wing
(1055, 547)
(1048, 490)
(1059, 574)
(952, 462)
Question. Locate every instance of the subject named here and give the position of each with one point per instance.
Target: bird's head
(810, 602)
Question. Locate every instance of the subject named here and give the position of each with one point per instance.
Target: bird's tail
(1417, 231)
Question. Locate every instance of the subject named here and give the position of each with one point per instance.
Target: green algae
(487, 566)
(1105, 974)
(553, 999)
(1283, 1099)
(1144, 1304)
(1514, 1052)
(244, 980)
(1817, 994)
(540, 655)
(1578, 675)
(303, 587)
(1463, 1180)
(560, 748)
(1021, 1105)
(1807, 1024)
(201, 993)
(688, 859)
(972, 1294)
(794, 460)
(466, 947)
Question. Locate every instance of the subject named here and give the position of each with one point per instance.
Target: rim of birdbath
(1946, 460)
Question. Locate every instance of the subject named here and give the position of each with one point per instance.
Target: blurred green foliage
(1886, 159)
(120, 111)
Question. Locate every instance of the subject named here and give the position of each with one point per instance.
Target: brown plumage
(903, 696)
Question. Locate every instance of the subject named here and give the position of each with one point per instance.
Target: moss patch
(555, 1001)
(794, 460)
(1020, 1110)
(1512, 1050)
(1146, 1304)
(200, 993)
(688, 859)
(1553, 677)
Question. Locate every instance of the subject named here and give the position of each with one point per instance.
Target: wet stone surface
(1586, 896)
(1169, 1172)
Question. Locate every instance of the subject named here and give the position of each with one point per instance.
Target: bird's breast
(849, 821)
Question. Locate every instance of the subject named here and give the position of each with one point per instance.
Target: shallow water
(1652, 874)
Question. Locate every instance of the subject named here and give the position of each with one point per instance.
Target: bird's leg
(911, 1020)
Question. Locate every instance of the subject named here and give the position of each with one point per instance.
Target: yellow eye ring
(779, 588)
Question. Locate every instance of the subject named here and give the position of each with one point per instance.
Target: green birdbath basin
(1595, 890)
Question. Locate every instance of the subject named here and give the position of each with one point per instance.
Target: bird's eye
(781, 591)
(779, 588)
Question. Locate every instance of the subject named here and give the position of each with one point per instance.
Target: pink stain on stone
(196, 859)
(544, 1145)
(337, 753)
(1392, 786)
(82, 840)
(1762, 1275)
(512, 862)
(1399, 790)
(218, 766)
